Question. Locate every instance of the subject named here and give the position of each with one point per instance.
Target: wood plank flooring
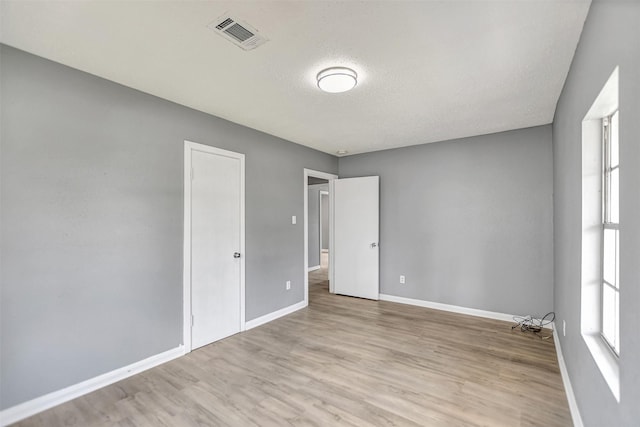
(342, 361)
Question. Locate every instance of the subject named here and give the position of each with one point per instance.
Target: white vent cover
(238, 32)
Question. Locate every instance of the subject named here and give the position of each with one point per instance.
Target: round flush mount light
(337, 79)
(342, 152)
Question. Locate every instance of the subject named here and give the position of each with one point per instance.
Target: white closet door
(216, 195)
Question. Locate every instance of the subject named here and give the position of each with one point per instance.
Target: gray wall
(468, 222)
(611, 37)
(313, 210)
(92, 217)
(324, 218)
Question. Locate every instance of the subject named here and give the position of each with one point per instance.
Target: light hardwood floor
(342, 361)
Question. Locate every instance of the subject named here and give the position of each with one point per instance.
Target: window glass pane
(609, 314)
(614, 140)
(609, 256)
(617, 284)
(616, 345)
(606, 200)
(614, 201)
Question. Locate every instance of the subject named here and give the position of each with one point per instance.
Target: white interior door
(355, 257)
(216, 237)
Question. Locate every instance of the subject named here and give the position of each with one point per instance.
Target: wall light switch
(564, 328)
(288, 284)
(293, 220)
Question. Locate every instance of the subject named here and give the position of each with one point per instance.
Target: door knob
(236, 254)
(374, 244)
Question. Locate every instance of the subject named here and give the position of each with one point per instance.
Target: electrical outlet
(402, 280)
(564, 328)
(288, 284)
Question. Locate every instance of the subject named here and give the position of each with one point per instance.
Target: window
(610, 297)
(599, 269)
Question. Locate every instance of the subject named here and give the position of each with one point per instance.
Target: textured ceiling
(428, 71)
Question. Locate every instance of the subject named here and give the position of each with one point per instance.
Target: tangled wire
(530, 324)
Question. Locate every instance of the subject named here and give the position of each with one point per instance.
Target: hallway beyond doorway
(319, 279)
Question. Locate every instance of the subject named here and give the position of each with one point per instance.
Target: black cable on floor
(530, 324)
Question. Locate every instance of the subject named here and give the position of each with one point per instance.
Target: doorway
(213, 244)
(318, 261)
(318, 225)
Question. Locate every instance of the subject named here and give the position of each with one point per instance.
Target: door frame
(190, 146)
(329, 177)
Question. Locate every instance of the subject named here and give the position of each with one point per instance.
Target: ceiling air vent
(237, 32)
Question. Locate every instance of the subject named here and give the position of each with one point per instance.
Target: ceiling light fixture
(342, 152)
(337, 79)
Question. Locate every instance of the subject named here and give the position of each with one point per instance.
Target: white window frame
(607, 224)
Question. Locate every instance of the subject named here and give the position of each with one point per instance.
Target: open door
(355, 235)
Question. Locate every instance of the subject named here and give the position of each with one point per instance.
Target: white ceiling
(428, 71)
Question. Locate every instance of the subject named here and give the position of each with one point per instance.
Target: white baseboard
(42, 403)
(448, 307)
(571, 398)
(24, 410)
(453, 308)
(314, 268)
(273, 316)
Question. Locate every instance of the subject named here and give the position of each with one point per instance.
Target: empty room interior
(318, 213)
